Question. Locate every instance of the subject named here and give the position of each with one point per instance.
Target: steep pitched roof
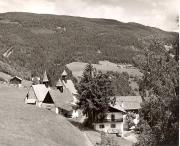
(31, 94)
(61, 98)
(67, 107)
(70, 85)
(64, 73)
(59, 83)
(40, 91)
(45, 78)
(129, 102)
(30, 97)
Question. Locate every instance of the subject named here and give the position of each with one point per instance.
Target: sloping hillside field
(27, 125)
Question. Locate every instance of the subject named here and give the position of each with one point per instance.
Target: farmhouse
(40, 95)
(113, 123)
(16, 81)
(115, 117)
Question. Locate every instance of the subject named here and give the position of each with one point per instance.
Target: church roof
(45, 78)
(59, 83)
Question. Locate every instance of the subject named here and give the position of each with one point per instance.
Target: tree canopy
(160, 109)
(95, 90)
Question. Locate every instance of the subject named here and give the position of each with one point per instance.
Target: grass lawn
(22, 124)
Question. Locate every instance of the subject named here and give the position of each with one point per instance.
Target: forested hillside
(37, 42)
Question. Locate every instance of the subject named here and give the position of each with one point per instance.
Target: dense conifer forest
(47, 42)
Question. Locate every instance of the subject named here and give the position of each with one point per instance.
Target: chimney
(59, 85)
(45, 79)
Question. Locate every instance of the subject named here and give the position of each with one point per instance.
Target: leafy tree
(159, 87)
(94, 91)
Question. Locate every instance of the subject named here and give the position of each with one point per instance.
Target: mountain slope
(38, 42)
(23, 124)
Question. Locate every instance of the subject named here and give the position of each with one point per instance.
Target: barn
(16, 81)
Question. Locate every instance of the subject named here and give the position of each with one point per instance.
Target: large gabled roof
(129, 102)
(61, 98)
(129, 98)
(118, 107)
(40, 91)
(70, 85)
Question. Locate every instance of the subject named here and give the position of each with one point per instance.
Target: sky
(156, 13)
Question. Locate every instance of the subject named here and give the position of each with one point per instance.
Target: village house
(40, 95)
(60, 99)
(115, 121)
(63, 100)
(16, 81)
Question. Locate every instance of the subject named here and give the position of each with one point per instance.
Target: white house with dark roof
(113, 123)
(115, 117)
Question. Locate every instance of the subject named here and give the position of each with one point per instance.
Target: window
(113, 125)
(101, 126)
(112, 117)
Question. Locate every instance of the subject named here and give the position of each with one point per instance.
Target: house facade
(113, 122)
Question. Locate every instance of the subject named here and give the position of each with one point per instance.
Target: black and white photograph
(89, 72)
